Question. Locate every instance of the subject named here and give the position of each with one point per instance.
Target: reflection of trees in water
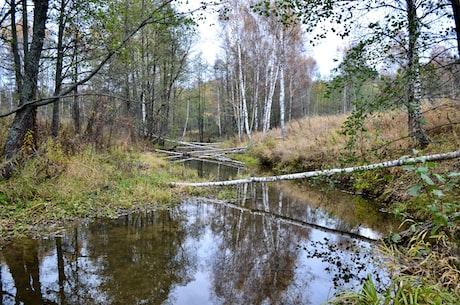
(101, 264)
(257, 255)
(219, 171)
(141, 261)
(23, 263)
(347, 261)
(257, 259)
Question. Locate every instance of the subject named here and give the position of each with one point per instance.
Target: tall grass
(56, 185)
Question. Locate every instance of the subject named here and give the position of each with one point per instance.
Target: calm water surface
(275, 244)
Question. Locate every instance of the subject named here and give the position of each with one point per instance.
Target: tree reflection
(141, 258)
(256, 261)
(23, 262)
(134, 260)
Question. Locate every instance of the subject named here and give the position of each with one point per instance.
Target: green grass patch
(53, 187)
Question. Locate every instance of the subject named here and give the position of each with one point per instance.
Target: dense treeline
(127, 67)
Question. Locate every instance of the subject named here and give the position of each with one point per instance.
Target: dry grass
(55, 187)
(309, 143)
(427, 257)
(316, 142)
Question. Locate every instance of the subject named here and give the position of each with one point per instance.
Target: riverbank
(64, 181)
(56, 186)
(319, 143)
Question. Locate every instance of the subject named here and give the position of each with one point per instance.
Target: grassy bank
(319, 143)
(423, 259)
(54, 186)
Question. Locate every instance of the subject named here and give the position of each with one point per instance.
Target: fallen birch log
(327, 172)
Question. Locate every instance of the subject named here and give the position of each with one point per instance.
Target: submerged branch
(328, 172)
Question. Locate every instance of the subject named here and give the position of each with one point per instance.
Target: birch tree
(235, 32)
(406, 24)
(282, 81)
(271, 76)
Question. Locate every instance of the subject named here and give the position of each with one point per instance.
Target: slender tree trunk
(15, 48)
(414, 99)
(76, 116)
(58, 75)
(344, 98)
(186, 119)
(243, 94)
(273, 75)
(25, 119)
(282, 93)
(25, 29)
(255, 107)
(219, 114)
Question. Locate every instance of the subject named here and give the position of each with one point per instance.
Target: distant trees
(268, 71)
(126, 67)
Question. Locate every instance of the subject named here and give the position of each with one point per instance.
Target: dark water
(275, 244)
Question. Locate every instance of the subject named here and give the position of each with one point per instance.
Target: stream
(276, 243)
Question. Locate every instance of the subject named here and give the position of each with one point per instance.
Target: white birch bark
(219, 122)
(244, 106)
(273, 76)
(255, 106)
(186, 118)
(328, 172)
(282, 94)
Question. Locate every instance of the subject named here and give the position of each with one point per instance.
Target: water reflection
(267, 247)
(214, 170)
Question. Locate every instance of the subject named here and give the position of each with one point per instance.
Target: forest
(91, 90)
(131, 67)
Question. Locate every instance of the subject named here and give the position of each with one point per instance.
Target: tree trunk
(243, 94)
(272, 77)
(76, 115)
(186, 118)
(414, 99)
(15, 48)
(255, 106)
(327, 172)
(282, 94)
(456, 11)
(25, 119)
(58, 75)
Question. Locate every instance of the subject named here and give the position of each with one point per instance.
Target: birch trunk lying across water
(327, 172)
